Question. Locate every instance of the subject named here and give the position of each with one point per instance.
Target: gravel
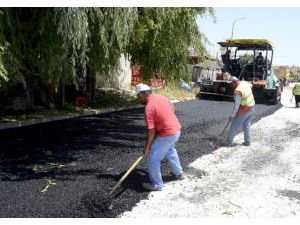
(67, 169)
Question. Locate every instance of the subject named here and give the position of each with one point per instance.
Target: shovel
(215, 145)
(108, 201)
(126, 174)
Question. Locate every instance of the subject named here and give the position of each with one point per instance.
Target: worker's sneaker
(246, 143)
(231, 145)
(178, 177)
(151, 187)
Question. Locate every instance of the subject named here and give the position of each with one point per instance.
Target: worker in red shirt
(242, 111)
(163, 131)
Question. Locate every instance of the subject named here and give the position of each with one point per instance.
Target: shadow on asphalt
(60, 148)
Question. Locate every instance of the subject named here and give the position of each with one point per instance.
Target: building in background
(283, 74)
(295, 70)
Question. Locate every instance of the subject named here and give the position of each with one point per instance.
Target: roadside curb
(28, 122)
(34, 121)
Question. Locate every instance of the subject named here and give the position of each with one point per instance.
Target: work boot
(151, 187)
(178, 177)
(246, 143)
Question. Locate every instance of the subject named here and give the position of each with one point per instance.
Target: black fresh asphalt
(82, 159)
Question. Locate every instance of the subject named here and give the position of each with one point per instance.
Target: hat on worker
(141, 87)
(232, 79)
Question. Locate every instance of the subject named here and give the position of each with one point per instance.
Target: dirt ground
(260, 181)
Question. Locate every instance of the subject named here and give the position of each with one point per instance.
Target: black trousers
(297, 99)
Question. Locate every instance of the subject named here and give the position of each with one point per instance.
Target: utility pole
(234, 23)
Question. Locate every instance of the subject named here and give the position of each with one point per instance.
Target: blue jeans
(242, 120)
(163, 147)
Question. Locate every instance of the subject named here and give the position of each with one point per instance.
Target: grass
(173, 92)
(111, 98)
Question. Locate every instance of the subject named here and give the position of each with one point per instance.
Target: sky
(281, 25)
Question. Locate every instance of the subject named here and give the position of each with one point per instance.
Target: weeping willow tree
(162, 38)
(111, 29)
(64, 46)
(3, 71)
(32, 52)
(12, 45)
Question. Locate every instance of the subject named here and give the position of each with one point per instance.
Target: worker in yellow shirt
(296, 93)
(242, 111)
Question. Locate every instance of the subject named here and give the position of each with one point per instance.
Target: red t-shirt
(159, 115)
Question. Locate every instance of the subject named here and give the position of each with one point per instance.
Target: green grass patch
(111, 98)
(174, 92)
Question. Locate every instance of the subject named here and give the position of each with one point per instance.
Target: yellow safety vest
(247, 98)
(296, 90)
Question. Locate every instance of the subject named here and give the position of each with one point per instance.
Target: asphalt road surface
(66, 169)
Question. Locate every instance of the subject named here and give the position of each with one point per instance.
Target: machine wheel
(274, 100)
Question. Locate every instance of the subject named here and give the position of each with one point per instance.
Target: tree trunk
(63, 97)
(91, 86)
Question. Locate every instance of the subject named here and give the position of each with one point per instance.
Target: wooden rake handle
(126, 174)
(219, 138)
(225, 128)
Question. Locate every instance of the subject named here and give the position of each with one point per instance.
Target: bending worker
(296, 93)
(242, 111)
(162, 134)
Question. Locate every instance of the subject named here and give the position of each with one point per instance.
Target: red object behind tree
(136, 77)
(80, 101)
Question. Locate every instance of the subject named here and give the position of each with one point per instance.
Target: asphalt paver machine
(249, 60)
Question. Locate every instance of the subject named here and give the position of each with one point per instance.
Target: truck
(249, 60)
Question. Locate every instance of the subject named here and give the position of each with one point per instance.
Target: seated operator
(259, 59)
(227, 61)
(259, 64)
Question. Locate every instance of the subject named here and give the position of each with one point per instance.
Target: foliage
(65, 45)
(161, 40)
(3, 72)
(246, 58)
(293, 76)
(32, 47)
(73, 28)
(111, 29)
(11, 45)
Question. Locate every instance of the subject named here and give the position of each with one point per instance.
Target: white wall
(119, 77)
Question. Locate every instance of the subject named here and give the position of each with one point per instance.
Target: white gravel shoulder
(260, 181)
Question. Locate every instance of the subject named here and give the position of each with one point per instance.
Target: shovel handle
(225, 128)
(126, 174)
(217, 142)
